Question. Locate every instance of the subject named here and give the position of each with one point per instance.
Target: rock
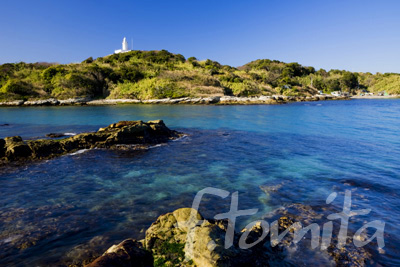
(12, 139)
(15, 148)
(134, 132)
(207, 246)
(306, 215)
(75, 143)
(15, 103)
(75, 101)
(45, 102)
(171, 227)
(55, 135)
(171, 237)
(158, 127)
(211, 100)
(126, 254)
(184, 237)
(45, 148)
(113, 101)
(121, 133)
(2, 147)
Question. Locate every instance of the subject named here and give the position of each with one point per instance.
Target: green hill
(161, 74)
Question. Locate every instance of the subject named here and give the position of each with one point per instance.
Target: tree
(333, 85)
(349, 81)
(319, 84)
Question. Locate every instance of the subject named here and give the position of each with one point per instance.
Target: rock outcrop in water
(185, 238)
(180, 238)
(125, 133)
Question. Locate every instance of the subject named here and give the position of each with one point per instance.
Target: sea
(69, 209)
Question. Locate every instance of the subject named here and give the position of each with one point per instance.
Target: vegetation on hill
(161, 74)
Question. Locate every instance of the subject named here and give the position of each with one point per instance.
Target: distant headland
(131, 76)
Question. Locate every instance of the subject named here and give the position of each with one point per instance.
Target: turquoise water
(55, 211)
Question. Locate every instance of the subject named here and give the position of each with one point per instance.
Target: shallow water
(58, 210)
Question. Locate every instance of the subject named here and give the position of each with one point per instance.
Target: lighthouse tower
(124, 47)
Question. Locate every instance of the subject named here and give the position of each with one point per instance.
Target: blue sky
(353, 35)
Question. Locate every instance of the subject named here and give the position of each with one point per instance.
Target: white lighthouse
(124, 47)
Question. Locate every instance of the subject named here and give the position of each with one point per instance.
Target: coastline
(375, 97)
(216, 100)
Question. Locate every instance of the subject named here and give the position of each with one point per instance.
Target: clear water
(58, 210)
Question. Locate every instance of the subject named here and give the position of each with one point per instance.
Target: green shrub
(245, 88)
(389, 84)
(17, 87)
(130, 74)
(148, 89)
(49, 73)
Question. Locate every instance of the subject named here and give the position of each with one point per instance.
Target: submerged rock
(305, 215)
(121, 133)
(85, 253)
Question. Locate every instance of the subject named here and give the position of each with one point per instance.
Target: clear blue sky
(360, 35)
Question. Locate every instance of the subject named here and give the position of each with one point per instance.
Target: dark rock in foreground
(136, 133)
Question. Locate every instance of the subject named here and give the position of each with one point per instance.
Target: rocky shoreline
(218, 100)
(375, 97)
(124, 134)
